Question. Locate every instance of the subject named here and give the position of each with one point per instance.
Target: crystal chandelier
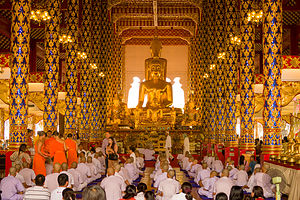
(65, 39)
(221, 55)
(212, 66)
(205, 75)
(81, 55)
(235, 40)
(101, 74)
(39, 16)
(255, 16)
(93, 66)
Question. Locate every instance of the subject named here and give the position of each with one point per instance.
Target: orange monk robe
(72, 153)
(47, 146)
(38, 161)
(58, 150)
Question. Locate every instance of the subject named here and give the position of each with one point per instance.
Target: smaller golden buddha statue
(191, 115)
(117, 112)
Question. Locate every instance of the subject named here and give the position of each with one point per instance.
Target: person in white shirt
(202, 174)
(84, 170)
(131, 168)
(62, 184)
(100, 168)
(11, 187)
(241, 177)
(20, 177)
(64, 170)
(190, 162)
(124, 173)
(113, 185)
(49, 166)
(210, 160)
(195, 167)
(94, 172)
(79, 183)
(232, 171)
(37, 192)
(263, 180)
(224, 184)
(132, 154)
(27, 174)
(217, 165)
(117, 169)
(168, 146)
(186, 190)
(208, 185)
(148, 153)
(51, 179)
(168, 187)
(141, 190)
(186, 144)
(139, 160)
(162, 176)
(185, 161)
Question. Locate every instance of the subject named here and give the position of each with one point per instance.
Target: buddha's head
(156, 72)
(156, 47)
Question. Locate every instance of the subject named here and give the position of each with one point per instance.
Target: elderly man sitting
(11, 187)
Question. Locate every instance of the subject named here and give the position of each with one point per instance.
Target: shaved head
(74, 165)
(242, 167)
(110, 171)
(213, 174)
(117, 167)
(225, 172)
(82, 159)
(18, 167)
(89, 159)
(171, 173)
(165, 167)
(56, 168)
(204, 165)
(12, 171)
(25, 165)
(64, 166)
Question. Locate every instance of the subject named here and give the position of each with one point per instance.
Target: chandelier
(235, 40)
(212, 66)
(81, 55)
(205, 75)
(39, 16)
(221, 55)
(255, 16)
(65, 39)
(93, 66)
(101, 74)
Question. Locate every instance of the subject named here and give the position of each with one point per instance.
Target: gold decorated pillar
(51, 66)
(84, 124)
(272, 49)
(247, 70)
(220, 70)
(2, 121)
(71, 67)
(231, 75)
(20, 39)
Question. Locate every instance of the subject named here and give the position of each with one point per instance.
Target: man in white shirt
(132, 154)
(208, 185)
(37, 192)
(263, 180)
(113, 185)
(97, 163)
(84, 170)
(148, 153)
(202, 174)
(217, 165)
(79, 183)
(168, 187)
(124, 172)
(27, 174)
(62, 184)
(232, 171)
(195, 167)
(161, 177)
(224, 184)
(11, 187)
(241, 177)
(139, 160)
(133, 173)
(252, 182)
(64, 170)
(20, 177)
(185, 161)
(117, 169)
(168, 146)
(210, 160)
(94, 172)
(51, 179)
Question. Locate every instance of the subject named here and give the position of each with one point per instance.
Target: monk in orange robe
(72, 150)
(49, 138)
(40, 156)
(58, 149)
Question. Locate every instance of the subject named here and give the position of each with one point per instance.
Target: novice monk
(39, 156)
(195, 167)
(51, 179)
(241, 177)
(84, 170)
(28, 174)
(161, 177)
(224, 184)
(131, 168)
(93, 168)
(64, 170)
(79, 183)
(217, 165)
(169, 187)
(202, 174)
(57, 149)
(72, 149)
(208, 184)
(11, 187)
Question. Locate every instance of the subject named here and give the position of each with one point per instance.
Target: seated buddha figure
(155, 87)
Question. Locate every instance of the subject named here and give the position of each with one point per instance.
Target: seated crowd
(98, 178)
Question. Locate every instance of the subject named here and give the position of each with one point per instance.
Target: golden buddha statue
(191, 115)
(117, 112)
(158, 91)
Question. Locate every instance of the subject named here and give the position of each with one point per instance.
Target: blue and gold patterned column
(231, 74)
(84, 127)
(51, 66)
(71, 67)
(247, 56)
(272, 49)
(18, 104)
(220, 70)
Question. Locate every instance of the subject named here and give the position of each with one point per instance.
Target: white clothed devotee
(98, 165)
(210, 161)
(180, 157)
(51, 181)
(202, 175)
(70, 178)
(49, 168)
(10, 187)
(94, 172)
(194, 170)
(169, 187)
(28, 175)
(140, 162)
(264, 180)
(186, 145)
(132, 155)
(57, 193)
(251, 183)
(232, 172)
(160, 178)
(241, 178)
(205, 159)
(185, 163)
(124, 173)
(140, 196)
(218, 166)
(113, 186)
(180, 196)
(208, 187)
(157, 173)
(84, 171)
(132, 172)
(148, 153)
(21, 178)
(224, 184)
(79, 184)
